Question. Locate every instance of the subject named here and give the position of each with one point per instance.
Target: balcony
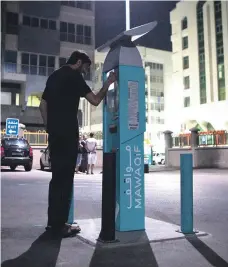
(14, 68)
(30, 116)
(11, 73)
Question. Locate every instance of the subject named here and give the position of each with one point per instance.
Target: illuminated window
(33, 101)
(17, 99)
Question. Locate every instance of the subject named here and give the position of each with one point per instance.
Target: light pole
(127, 4)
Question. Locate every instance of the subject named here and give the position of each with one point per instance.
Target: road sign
(12, 126)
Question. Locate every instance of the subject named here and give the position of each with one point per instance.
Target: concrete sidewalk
(30, 247)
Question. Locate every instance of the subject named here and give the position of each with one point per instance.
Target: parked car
(45, 159)
(158, 158)
(16, 151)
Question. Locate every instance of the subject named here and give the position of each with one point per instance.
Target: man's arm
(95, 100)
(43, 111)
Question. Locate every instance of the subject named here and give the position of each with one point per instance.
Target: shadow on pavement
(42, 253)
(136, 255)
(210, 255)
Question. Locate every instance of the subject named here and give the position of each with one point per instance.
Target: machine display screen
(113, 95)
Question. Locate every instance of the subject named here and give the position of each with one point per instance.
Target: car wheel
(162, 161)
(28, 167)
(13, 167)
(41, 165)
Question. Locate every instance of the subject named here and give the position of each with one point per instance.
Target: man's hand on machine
(111, 78)
(95, 100)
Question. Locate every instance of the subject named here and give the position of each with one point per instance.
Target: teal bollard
(186, 165)
(71, 212)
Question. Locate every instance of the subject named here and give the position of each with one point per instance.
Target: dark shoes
(67, 231)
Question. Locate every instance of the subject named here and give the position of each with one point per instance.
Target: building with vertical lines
(199, 94)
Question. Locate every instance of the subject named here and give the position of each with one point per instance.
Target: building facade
(199, 95)
(37, 38)
(158, 77)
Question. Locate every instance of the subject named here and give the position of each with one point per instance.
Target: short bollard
(108, 232)
(186, 165)
(71, 212)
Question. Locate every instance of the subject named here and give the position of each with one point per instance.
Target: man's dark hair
(76, 55)
(91, 135)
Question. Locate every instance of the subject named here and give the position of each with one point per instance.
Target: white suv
(159, 158)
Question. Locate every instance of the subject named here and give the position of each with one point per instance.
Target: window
(71, 33)
(11, 23)
(33, 101)
(219, 28)
(80, 34)
(218, 6)
(6, 98)
(52, 25)
(201, 57)
(10, 61)
(39, 23)
(44, 23)
(87, 40)
(84, 5)
(10, 56)
(185, 42)
(26, 21)
(12, 18)
(184, 23)
(78, 4)
(187, 102)
(51, 65)
(220, 51)
(186, 82)
(37, 64)
(25, 63)
(33, 64)
(200, 37)
(42, 65)
(62, 61)
(185, 62)
(35, 22)
(63, 31)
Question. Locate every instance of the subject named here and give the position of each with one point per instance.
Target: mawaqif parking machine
(124, 125)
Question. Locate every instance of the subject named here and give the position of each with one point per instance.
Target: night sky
(110, 21)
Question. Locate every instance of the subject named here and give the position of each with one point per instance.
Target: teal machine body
(124, 125)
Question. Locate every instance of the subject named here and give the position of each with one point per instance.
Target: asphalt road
(24, 202)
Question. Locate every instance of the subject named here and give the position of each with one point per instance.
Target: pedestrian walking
(59, 104)
(79, 157)
(91, 145)
(83, 167)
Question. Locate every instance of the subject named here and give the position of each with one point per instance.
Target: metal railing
(181, 141)
(39, 138)
(211, 138)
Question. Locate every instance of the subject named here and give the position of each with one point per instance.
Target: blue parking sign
(12, 126)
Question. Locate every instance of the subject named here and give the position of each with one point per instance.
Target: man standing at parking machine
(59, 109)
